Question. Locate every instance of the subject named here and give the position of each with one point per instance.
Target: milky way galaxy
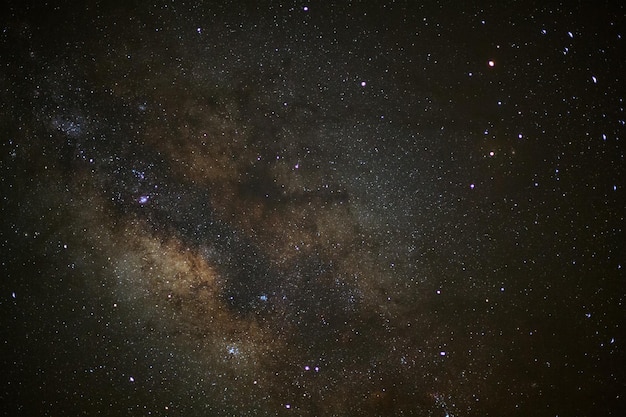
(312, 209)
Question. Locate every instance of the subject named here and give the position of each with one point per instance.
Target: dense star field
(312, 209)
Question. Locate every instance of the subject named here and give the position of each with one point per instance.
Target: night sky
(312, 208)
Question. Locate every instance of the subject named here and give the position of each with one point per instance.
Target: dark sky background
(312, 208)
